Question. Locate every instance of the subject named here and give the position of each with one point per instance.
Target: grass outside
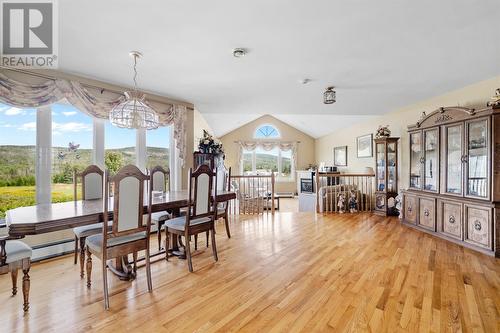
(19, 196)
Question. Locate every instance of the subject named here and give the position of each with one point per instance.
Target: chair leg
(89, 267)
(167, 243)
(188, 254)
(134, 256)
(226, 221)
(13, 275)
(148, 271)
(158, 234)
(214, 247)
(76, 250)
(105, 283)
(207, 237)
(82, 256)
(26, 289)
(196, 242)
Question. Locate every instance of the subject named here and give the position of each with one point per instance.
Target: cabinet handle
(422, 160)
(465, 159)
(451, 219)
(477, 225)
(409, 209)
(426, 212)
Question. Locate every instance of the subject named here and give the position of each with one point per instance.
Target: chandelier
(329, 96)
(134, 112)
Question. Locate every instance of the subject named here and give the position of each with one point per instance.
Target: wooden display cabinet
(454, 177)
(386, 176)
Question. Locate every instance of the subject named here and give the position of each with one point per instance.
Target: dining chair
(223, 183)
(200, 215)
(128, 233)
(15, 255)
(160, 178)
(92, 182)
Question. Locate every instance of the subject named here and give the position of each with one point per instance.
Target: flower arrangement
(208, 144)
(383, 132)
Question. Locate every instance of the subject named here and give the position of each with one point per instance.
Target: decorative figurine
(398, 205)
(353, 202)
(383, 132)
(341, 203)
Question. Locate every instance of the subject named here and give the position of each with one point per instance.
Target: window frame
(278, 176)
(277, 136)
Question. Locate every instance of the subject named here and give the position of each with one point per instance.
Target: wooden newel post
(317, 191)
(272, 192)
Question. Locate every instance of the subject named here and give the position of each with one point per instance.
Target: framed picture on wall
(340, 156)
(364, 145)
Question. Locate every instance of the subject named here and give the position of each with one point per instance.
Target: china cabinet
(386, 175)
(454, 176)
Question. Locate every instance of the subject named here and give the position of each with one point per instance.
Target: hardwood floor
(296, 272)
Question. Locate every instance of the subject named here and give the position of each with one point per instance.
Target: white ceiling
(380, 55)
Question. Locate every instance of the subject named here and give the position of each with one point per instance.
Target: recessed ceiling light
(239, 52)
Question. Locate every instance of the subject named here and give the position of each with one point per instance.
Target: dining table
(50, 217)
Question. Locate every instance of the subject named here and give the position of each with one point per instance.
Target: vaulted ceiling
(381, 55)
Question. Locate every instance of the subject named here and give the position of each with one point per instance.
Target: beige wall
(305, 150)
(474, 95)
(199, 124)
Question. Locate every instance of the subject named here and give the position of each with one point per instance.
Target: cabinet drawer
(410, 208)
(450, 221)
(478, 226)
(427, 213)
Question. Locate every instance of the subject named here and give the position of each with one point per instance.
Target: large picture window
(119, 147)
(262, 162)
(158, 148)
(72, 141)
(17, 157)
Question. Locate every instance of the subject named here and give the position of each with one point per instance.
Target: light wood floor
(293, 272)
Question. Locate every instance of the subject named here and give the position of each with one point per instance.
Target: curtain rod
(53, 78)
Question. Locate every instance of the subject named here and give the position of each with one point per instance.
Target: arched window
(266, 132)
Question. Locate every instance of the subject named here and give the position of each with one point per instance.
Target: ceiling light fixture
(134, 112)
(329, 96)
(239, 52)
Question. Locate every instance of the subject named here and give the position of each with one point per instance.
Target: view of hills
(18, 162)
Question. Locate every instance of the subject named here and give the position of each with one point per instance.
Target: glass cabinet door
(416, 160)
(477, 170)
(380, 167)
(454, 152)
(392, 184)
(431, 159)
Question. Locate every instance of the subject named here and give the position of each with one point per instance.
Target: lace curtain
(25, 95)
(267, 146)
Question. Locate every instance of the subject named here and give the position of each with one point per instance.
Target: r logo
(27, 28)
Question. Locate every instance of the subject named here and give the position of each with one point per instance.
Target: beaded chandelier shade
(134, 112)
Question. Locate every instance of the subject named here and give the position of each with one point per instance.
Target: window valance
(268, 146)
(24, 95)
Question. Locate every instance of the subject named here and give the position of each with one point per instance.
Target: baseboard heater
(285, 194)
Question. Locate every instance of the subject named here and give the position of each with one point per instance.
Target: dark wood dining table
(44, 218)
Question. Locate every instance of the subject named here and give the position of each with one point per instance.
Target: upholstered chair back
(160, 178)
(128, 201)
(200, 191)
(92, 181)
